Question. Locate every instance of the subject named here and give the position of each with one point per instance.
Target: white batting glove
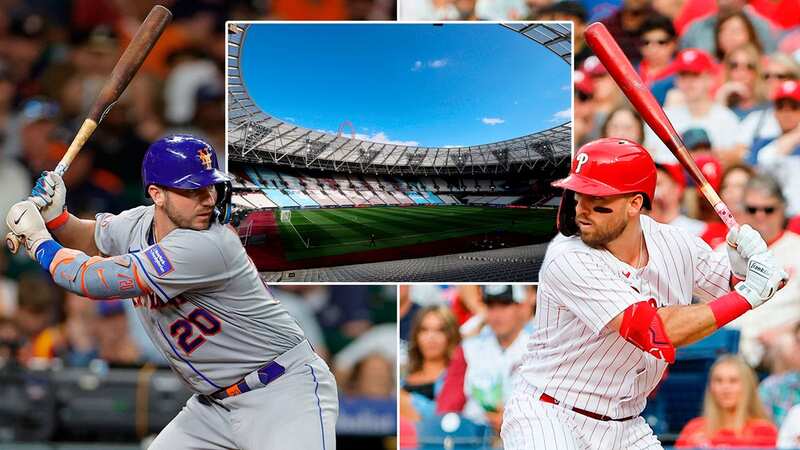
(26, 223)
(49, 194)
(743, 243)
(763, 279)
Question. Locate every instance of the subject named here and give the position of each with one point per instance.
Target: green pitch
(336, 231)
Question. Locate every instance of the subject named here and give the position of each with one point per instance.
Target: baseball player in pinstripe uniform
(257, 382)
(614, 302)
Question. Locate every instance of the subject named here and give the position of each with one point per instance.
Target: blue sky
(415, 84)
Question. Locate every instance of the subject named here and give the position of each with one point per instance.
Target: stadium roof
(256, 136)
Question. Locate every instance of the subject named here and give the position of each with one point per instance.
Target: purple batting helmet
(186, 162)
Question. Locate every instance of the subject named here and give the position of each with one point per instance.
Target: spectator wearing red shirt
(658, 45)
(732, 416)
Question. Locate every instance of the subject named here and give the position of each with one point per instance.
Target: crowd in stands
(459, 348)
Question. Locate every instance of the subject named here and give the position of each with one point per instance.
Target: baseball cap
(711, 168)
(696, 137)
(693, 60)
(787, 89)
(583, 82)
(593, 67)
(37, 109)
(675, 171)
(502, 293)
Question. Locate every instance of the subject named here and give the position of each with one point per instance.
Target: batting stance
(614, 302)
(257, 382)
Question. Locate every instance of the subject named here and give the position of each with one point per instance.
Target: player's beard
(181, 220)
(602, 235)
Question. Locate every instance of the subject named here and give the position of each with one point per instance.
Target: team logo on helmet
(205, 158)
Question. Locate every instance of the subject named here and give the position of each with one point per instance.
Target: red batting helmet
(605, 167)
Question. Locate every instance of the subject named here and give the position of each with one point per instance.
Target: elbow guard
(642, 327)
(96, 277)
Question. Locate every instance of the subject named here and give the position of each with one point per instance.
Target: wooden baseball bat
(619, 67)
(127, 66)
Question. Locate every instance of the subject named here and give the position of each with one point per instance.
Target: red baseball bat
(619, 67)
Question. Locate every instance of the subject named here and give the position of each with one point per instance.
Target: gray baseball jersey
(209, 312)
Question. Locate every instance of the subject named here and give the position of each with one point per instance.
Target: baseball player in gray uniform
(257, 382)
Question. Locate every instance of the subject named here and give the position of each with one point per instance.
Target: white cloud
(417, 66)
(452, 146)
(437, 63)
(492, 120)
(566, 87)
(379, 137)
(382, 138)
(562, 115)
(433, 64)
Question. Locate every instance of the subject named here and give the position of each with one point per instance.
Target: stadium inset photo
(389, 152)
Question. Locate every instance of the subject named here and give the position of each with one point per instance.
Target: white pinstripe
(574, 357)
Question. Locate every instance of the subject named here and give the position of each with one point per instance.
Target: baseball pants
(529, 423)
(297, 411)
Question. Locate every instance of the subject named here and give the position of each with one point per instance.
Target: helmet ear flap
(566, 214)
(222, 210)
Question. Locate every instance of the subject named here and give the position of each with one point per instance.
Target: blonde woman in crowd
(732, 416)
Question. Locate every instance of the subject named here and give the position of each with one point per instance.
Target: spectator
(761, 125)
(695, 75)
(658, 46)
(606, 96)
(734, 179)
(732, 415)
(762, 330)
(624, 25)
(407, 311)
(480, 377)
(501, 9)
(781, 156)
(780, 392)
(624, 122)
(670, 185)
(372, 377)
(743, 90)
(583, 106)
(701, 34)
(434, 336)
(36, 319)
(734, 30)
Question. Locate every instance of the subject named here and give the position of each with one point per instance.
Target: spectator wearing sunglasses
(624, 24)
(781, 156)
(763, 332)
(583, 123)
(658, 46)
(761, 127)
(743, 90)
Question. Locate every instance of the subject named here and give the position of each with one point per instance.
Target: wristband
(46, 252)
(59, 221)
(728, 307)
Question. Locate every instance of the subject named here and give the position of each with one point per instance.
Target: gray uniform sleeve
(106, 232)
(184, 260)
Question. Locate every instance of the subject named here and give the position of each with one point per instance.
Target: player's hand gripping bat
(127, 66)
(605, 47)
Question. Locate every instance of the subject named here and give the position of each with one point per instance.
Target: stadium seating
(279, 198)
(432, 198)
(320, 197)
(354, 197)
(417, 198)
(301, 198)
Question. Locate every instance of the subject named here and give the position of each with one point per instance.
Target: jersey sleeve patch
(159, 260)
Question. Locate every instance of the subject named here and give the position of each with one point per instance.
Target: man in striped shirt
(615, 300)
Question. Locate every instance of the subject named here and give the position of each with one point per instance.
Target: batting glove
(743, 243)
(27, 224)
(49, 195)
(763, 279)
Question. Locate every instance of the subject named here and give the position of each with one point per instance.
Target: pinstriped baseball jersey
(209, 312)
(573, 356)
